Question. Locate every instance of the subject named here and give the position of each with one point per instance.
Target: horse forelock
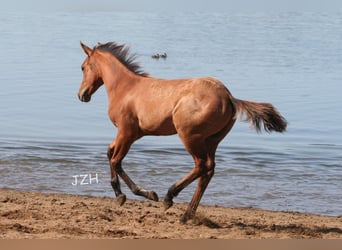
(123, 54)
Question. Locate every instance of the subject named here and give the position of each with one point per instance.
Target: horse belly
(153, 124)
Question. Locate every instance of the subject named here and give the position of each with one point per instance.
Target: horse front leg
(119, 150)
(137, 190)
(115, 182)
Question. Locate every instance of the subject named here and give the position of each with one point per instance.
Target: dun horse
(200, 110)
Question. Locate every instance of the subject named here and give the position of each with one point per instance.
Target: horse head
(92, 78)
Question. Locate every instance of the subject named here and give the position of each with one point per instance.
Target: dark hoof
(184, 218)
(167, 204)
(121, 199)
(153, 196)
(187, 216)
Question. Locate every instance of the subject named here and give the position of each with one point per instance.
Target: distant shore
(62, 216)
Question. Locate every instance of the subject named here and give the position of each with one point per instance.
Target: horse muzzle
(84, 96)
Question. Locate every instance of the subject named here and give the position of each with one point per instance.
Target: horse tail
(258, 113)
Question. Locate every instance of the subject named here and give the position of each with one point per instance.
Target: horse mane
(122, 53)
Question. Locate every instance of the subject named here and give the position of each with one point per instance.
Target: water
(292, 60)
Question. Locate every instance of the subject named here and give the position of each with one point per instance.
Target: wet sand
(60, 216)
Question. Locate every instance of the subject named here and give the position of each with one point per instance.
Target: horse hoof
(153, 196)
(184, 218)
(167, 204)
(121, 199)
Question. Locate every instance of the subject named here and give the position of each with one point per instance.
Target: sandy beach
(59, 216)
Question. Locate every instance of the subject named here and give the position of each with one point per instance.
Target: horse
(200, 110)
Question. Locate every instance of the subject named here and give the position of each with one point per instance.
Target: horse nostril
(85, 97)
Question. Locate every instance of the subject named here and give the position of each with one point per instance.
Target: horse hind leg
(203, 182)
(205, 176)
(209, 166)
(200, 153)
(203, 152)
(176, 188)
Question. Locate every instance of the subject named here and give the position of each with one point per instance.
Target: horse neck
(116, 77)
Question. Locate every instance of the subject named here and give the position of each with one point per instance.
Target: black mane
(122, 53)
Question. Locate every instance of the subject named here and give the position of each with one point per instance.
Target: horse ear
(86, 49)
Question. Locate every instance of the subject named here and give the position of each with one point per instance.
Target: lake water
(293, 60)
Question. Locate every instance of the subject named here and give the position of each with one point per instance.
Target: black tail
(258, 113)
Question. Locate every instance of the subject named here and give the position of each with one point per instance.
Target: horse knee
(115, 166)
(110, 150)
(110, 153)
